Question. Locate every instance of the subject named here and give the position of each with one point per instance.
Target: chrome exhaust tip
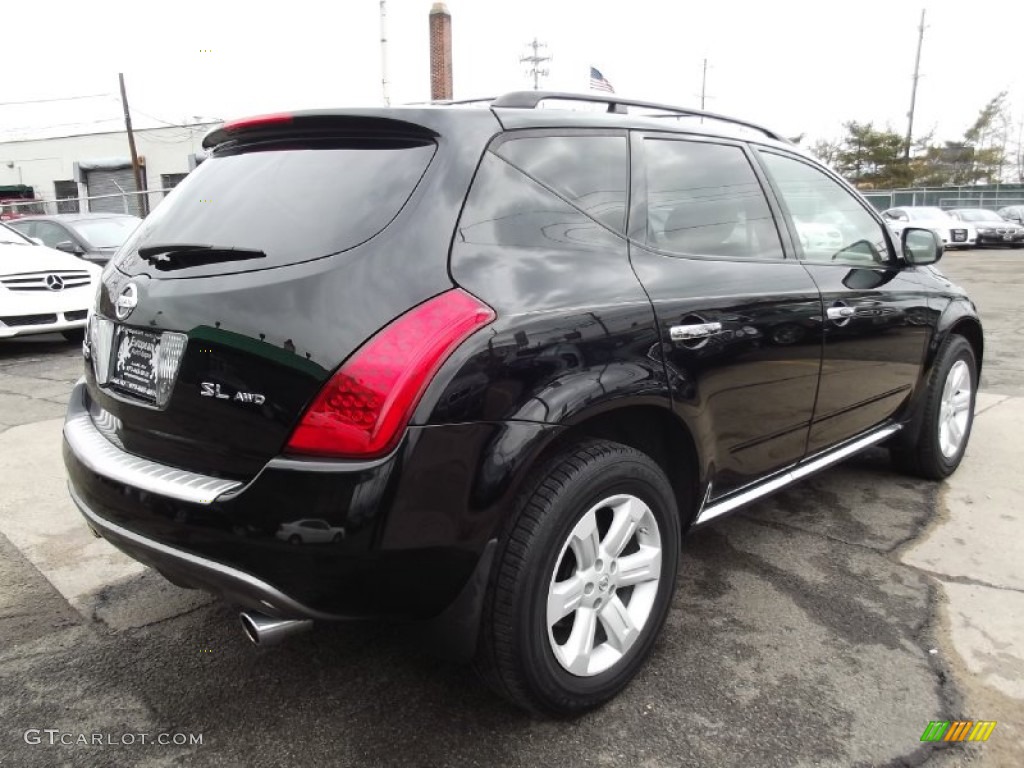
(265, 630)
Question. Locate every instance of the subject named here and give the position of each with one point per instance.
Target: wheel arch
(654, 431)
(959, 318)
(970, 329)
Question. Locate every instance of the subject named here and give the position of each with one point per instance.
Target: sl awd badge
(209, 389)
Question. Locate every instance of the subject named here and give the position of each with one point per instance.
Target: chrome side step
(799, 472)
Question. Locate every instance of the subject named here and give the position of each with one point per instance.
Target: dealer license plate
(133, 369)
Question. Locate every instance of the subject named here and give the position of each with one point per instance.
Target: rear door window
(704, 199)
(280, 203)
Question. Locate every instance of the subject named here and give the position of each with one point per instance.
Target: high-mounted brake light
(363, 409)
(257, 122)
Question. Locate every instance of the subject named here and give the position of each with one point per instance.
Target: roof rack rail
(617, 104)
(449, 102)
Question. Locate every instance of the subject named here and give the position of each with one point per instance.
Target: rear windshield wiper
(183, 255)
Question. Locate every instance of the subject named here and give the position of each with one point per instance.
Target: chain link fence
(990, 196)
(122, 202)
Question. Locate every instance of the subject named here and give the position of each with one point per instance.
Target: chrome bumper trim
(104, 458)
(800, 471)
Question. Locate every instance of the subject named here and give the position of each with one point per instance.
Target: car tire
(546, 559)
(75, 335)
(944, 429)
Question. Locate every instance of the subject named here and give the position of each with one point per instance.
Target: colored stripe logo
(958, 730)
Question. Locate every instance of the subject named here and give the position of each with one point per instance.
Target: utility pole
(384, 53)
(142, 202)
(703, 83)
(535, 61)
(1020, 151)
(913, 91)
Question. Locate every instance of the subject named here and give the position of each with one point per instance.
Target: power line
(48, 101)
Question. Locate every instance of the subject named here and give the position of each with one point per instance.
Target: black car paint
(328, 307)
(569, 346)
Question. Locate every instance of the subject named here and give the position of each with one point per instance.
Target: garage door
(114, 182)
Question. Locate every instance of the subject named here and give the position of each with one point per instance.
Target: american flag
(598, 82)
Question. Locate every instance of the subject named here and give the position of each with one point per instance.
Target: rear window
(286, 203)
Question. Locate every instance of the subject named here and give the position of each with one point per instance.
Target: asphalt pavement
(826, 625)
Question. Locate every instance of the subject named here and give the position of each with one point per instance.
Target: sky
(799, 67)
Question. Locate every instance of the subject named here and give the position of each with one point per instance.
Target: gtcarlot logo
(55, 737)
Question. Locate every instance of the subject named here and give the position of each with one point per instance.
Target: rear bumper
(416, 523)
(190, 570)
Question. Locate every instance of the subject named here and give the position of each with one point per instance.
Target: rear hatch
(224, 314)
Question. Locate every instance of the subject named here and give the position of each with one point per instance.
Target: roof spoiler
(369, 124)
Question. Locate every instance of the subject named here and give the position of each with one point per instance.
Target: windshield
(927, 213)
(106, 233)
(9, 237)
(980, 215)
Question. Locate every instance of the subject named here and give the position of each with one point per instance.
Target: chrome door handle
(695, 331)
(840, 313)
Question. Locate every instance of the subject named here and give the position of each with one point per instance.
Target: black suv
(509, 355)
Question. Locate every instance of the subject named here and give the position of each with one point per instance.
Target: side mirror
(37, 240)
(68, 247)
(920, 246)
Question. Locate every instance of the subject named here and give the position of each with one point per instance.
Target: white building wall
(40, 162)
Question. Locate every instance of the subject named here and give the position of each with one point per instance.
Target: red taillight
(362, 410)
(257, 122)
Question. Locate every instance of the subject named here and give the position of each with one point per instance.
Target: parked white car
(310, 531)
(992, 228)
(43, 290)
(954, 234)
(818, 235)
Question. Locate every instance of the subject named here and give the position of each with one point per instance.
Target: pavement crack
(965, 580)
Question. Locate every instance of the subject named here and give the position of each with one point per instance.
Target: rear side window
(510, 210)
(293, 202)
(591, 172)
(705, 200)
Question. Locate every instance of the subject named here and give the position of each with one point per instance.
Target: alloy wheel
(604, 585)
(954, 410)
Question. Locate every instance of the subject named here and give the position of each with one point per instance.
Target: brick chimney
(440, 53)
